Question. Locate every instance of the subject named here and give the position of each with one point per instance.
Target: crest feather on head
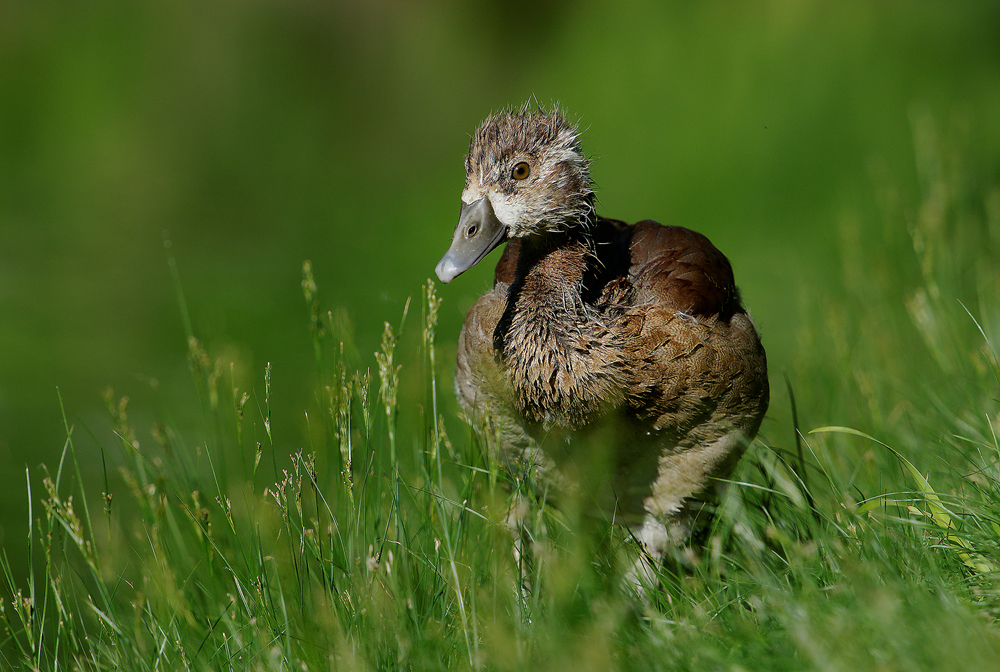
(526, 129)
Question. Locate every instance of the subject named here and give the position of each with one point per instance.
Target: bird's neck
(551, 265)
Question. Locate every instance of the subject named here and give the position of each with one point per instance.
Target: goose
(630, 337)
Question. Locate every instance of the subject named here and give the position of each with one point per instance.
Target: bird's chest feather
(565, 360)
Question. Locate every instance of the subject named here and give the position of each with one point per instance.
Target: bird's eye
(472, 230)
(521, 171)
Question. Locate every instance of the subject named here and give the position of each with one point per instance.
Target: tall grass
(866, 538)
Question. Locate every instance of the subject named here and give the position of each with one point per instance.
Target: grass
(863, 537)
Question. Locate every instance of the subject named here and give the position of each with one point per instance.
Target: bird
(629, 337)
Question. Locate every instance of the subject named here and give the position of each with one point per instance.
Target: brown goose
(632, 337)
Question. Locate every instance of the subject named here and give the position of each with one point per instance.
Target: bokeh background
(239, 139)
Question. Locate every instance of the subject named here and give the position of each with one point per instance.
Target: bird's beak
(477, 233)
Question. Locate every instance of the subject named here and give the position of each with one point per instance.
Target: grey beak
(477, 233)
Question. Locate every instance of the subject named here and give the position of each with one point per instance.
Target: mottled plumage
(633, 334)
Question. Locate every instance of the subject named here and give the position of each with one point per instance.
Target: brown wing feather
(679, 268)
(700, 364)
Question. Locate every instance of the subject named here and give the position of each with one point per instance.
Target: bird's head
(525, 176)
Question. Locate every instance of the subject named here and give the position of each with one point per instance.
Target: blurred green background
(241, 138)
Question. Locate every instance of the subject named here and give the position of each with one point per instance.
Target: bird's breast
(566, 363)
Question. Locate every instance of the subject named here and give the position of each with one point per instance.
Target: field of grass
(257, 489)
(862, 534)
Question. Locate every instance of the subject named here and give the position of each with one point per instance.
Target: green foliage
(868, 543)
(384, 545)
